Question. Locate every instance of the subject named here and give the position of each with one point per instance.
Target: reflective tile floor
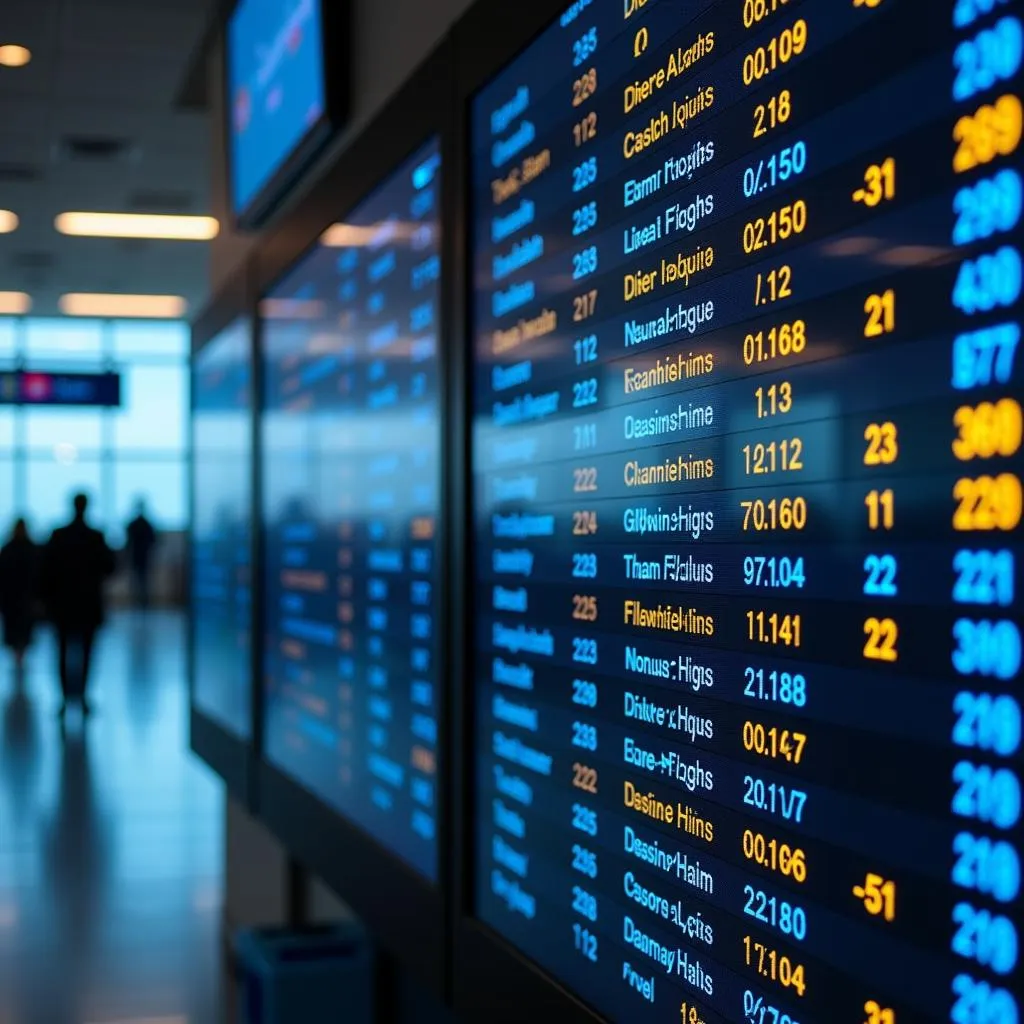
(110, 842)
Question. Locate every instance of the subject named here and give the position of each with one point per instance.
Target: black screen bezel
(492, 976)
(336, 59)
(232, 757)
(406, 912)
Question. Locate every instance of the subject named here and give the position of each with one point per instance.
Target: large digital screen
(221, 560)
(747, 501)
(276, 90)
(351, 484)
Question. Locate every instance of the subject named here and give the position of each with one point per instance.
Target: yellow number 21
(881, 314)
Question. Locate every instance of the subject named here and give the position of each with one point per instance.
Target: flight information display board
(351, 479)
(747, 500)
(222, 529)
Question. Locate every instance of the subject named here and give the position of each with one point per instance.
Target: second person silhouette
(76, 564)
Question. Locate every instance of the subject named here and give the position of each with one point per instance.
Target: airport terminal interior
(510, 512)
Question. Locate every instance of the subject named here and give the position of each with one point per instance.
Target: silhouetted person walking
(19, 579)
(76, 564)
(141, 543)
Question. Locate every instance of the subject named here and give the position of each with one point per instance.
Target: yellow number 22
(877, 1014)
(880, 644)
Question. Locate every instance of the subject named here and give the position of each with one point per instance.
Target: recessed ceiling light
(15, 303)
(137, 225)
(8, 222)
(14, 56)
(156, 307)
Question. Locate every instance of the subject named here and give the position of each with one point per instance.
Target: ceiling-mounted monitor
(286, 75)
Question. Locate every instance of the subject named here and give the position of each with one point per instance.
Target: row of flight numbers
(980, 576)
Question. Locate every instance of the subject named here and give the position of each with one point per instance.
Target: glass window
(63, 433)
(50, 427)
(154, 404)
(49, 336)
(151, 338)
(6, 411)
(8, 509)
(114, 455)
(160, 483)
(52, 483)
(6, 428)
(8, 335)
(73, 346)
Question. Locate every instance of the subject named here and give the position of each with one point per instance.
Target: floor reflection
(19, 753)
(110, 842)
(144, 693)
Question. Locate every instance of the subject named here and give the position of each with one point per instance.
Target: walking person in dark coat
(19, 578)
(76, 564)
(142, 540)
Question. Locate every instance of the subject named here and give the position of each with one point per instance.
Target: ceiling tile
(133, 80)
(30, 23)
(107, 68)
(127, 30)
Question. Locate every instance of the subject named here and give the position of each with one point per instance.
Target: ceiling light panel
(14, 56)
(155, 307)
(137, 225)
(14, 303)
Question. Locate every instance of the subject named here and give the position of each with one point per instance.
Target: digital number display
(351, 466)
(747, 499)
(221, 579)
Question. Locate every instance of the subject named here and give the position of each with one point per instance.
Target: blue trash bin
(319, 975)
